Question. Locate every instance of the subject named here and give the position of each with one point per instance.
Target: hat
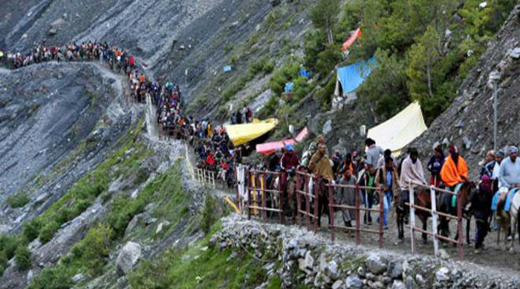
(513, 150)
(501, 154)
(290, 147)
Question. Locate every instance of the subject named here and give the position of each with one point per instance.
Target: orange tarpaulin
(451, 173)
(269, 148)
(352, 38)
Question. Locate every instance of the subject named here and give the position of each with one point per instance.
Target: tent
(400, 130)
(351, 39)
(269, 148)
(349, 78)
(243, 133)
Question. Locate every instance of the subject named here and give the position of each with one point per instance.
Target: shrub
(92, 250)
(52, 278)
(208, 215)
(8, 245)
(31, 229)
(283, 75)
(22, 257)
(48, 231)
(18, 200)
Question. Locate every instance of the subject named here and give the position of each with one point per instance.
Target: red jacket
(210, 160)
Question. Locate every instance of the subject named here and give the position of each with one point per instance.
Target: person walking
(388, 180)
(434, 166)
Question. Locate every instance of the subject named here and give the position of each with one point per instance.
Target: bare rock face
(128, 257)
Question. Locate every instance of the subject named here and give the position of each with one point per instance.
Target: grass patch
(194, 268)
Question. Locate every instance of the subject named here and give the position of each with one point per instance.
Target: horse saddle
(502, 200)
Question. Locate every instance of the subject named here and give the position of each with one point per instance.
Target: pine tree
(324, 16)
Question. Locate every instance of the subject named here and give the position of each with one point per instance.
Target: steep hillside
(469, 121)
(57, 120)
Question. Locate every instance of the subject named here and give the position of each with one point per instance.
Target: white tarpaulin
(400, 130)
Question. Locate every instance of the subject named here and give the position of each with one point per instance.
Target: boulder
(327, 127)
(376, 265)
(353, 282)
(442, 275)
(395, 270)
(128, 257)
(398, 285)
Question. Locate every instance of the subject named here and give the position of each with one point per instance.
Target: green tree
(324, 16)
(423, 56)
(386, 87)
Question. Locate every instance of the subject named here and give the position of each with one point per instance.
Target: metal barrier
(258, 194)
(309, 199)
(358, 209)
(435, 219)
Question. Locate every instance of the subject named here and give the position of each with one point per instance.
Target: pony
(422, 198)
(506, 219)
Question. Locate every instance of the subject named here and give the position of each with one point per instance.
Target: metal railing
(358, 209)
(435, 219)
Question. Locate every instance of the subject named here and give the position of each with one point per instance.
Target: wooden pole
(381, 214)
(434, 220)
(331, 211)
(358, 216)
(460, 241)
(412, 218)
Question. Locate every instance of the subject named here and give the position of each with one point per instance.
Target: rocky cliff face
(57, 122)
(469, 121)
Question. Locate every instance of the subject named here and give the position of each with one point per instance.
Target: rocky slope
(57, 122)
(469, 121)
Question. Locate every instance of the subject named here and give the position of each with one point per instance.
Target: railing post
(237, 184)
(435, 217)
(381, 215)
(248, 181)
(412, 217)
(460, 241)
(331, 210)
(281, 198)
(255, 192)
(307, 204)
(264, 203)
(316, 193)
(358, 216)
(298, 199)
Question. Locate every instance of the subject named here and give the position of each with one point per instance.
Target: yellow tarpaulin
(400, 130)
(243, 133)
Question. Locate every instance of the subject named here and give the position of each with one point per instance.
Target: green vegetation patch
(199, 267)
(18, 200)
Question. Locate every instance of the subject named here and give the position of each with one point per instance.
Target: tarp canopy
(305, 73)
(351, 39)
(243, 133)
(269, 148)
(352, 76)
(400, 130)
(227, 68)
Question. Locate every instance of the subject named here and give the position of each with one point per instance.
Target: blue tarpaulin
(289, 87)
(227, 68)
(352, 76)
(305, 73)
